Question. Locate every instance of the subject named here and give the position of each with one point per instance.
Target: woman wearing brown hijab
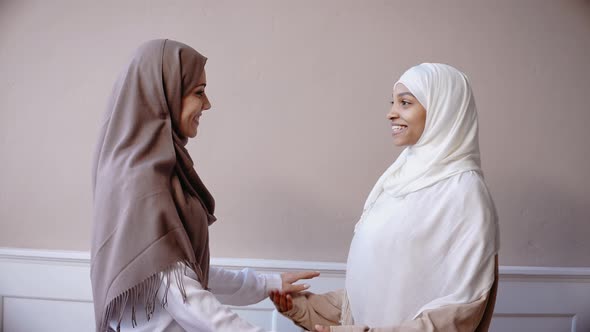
(150, 243)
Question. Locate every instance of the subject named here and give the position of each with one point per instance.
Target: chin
(399, 142)
(193, 133)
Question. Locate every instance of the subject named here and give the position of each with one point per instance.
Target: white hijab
(428, 234)
(449, 144)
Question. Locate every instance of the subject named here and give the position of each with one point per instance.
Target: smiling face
(193, 105)
(407, 116)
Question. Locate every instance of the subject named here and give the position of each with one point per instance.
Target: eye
(392, 102)
(200, 92)
(405, 103)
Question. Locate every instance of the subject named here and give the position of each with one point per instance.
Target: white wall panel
(50, 291)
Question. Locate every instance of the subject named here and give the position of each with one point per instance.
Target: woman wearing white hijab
(424, 253)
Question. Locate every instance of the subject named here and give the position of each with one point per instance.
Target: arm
(201, 311)
(243, 287)
(309, 309)
(247, 287)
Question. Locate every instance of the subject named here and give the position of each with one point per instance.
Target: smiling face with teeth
(407, 116)
(193, 105)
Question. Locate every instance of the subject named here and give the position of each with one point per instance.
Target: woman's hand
(289, 278)
(282, 298)
(282, 301)
(320, 328)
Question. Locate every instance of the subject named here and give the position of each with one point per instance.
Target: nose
(206, 103)
(392, 114)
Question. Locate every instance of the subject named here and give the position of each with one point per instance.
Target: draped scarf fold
(449, 144)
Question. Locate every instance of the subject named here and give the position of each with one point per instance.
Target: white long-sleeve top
(204, 311)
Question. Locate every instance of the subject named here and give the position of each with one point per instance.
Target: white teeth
(397, 128)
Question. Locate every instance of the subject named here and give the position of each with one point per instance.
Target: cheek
(186, 122)
(417, 117)
(185, 118)
(420, 124)
(190, 112)
(198, 106)
(422, 120)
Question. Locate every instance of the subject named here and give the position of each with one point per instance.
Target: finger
(286, 301)
(283, 301)
(280, 305)
(289, 302)
(320, 328)
(276, 299)
(295, 276)
(296, 288)
(308, 274)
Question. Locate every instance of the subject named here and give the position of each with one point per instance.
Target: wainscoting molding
(45, 290)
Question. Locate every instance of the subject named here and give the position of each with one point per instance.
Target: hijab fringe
(147, 290)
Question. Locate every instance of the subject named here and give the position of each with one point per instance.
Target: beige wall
(297, 135)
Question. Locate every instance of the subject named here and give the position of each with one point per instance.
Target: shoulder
(468, 179)
(467, 191)
(469, 184)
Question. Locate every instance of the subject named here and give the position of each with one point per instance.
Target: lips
(398, 128)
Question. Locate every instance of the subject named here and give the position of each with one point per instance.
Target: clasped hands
(283, 299)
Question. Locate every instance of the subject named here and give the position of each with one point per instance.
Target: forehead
(400, 88)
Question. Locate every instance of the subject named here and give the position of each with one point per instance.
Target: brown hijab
(151, 210)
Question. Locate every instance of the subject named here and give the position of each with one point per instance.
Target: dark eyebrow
(406, 94)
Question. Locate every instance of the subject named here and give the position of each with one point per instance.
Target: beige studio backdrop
(297, 134)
